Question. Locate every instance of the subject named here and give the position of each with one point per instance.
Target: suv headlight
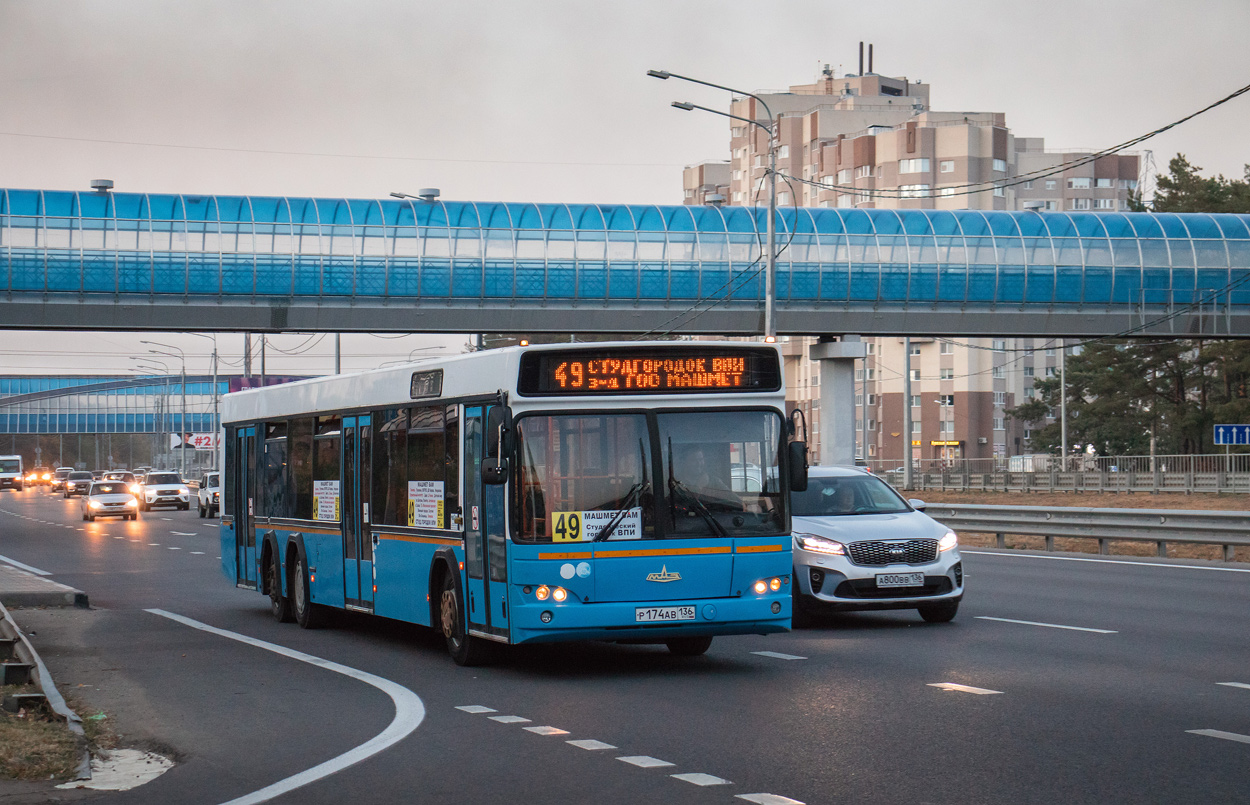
(811, 542)
(950, 540)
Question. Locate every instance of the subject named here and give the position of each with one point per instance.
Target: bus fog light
(542, 593)
(559, 594)
(776, 607)
(545, 617)
(761, 587)
(774, 585)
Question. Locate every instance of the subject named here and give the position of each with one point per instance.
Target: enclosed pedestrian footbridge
(74, 260)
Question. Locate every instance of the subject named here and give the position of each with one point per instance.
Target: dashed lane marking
(510, 719)
(476, 708)
(184, 534)
(174, 548)
(963, 688)
(546, 730)
(1047, 625)
(590, 744)
(409, 713)
(1234, 684)
(1228, 736)
(644, 761)
(769, 799)
(197, 553)
(701, 779)
(778, 655)
(155, 544)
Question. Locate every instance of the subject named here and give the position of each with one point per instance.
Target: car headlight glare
(95, 504)
(134, 489)
(184, 491)
(950, 540)
(811, 542)
(132, 502)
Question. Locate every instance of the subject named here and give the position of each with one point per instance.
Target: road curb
(51, 598)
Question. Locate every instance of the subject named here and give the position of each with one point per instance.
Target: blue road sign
(1232, 434)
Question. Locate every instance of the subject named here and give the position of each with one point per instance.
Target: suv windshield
(80, 475)
(591, 477)
(162, 478)
(857, 494)
(210, 481)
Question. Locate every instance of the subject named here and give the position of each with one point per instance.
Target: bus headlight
(949, 541)
(542, 593)
(764, 585)
(559, 594)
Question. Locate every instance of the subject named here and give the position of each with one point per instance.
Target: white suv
(210, 494)
(164, 489)
(858, 545)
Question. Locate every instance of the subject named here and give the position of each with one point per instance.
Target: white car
(109, 499)
(859, 546)
(164, 489)
(210, 494)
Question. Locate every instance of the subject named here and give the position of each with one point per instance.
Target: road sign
(1232, 434)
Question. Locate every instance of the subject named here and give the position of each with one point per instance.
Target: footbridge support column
(837, 397)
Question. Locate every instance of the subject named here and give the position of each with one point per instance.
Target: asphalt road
(1101, 711)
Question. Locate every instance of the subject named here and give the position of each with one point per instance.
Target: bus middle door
(357, 540)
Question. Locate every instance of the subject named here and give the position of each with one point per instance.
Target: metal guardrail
(1088, 481)
(1160, 526)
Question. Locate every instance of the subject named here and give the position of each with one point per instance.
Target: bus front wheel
(689, 646)
(464, 648)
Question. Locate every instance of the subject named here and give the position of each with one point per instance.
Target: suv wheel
(941, 612)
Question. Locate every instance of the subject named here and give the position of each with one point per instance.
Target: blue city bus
(632, 492)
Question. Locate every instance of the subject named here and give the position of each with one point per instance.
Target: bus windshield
(588, 478)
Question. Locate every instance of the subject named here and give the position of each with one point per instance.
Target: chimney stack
(861, 58)
(870, 57)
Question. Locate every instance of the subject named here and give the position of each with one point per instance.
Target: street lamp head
(399, 195)
(663, 75)
(685, 105)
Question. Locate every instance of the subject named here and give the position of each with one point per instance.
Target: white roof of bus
(468, 374)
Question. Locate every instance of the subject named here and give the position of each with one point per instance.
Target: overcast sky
(549, 101)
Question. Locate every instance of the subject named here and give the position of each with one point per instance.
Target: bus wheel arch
(307, 614)
(450, 615)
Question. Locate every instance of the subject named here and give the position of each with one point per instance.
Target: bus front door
(244, 474)
(485, 529)
(357, 541)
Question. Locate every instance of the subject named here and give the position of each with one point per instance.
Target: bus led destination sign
(625, 371)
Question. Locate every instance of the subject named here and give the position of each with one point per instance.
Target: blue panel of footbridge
(234, 246)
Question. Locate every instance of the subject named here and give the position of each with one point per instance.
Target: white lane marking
(1234, 684)
(699, 778)
(963, 688)
(24, 566)
(546, 730)
(118, 537)
(769, 799)
(590, 744)
(210, 525)
(476, 708)
(174, 548)
(155, 544)
(644, 762)
(168, 519)
(184, 534)
(510, 719)
(778, 656)
(1048, 625)
(1228, 736)
(1107, 561)
(409, 713)
(197, 553)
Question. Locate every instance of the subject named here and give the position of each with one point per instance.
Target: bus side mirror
(498, 445)
(495, 471)
(798, 466)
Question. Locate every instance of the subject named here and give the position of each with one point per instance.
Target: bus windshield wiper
(697, 505)
(626, 505)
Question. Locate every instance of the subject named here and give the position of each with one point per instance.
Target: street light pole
(214, 425)
(182, 435)
(770, 265)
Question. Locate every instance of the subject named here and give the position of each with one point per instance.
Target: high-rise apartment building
(873, 141)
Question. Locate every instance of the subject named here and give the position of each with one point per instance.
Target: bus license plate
(900, 580)
(660, 614)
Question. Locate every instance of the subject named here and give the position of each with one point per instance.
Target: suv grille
(907, 552)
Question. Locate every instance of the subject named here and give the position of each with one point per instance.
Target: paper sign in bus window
(326, 500)
(585, 526)
(425, 504)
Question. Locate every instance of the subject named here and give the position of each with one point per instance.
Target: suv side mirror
(797, 455)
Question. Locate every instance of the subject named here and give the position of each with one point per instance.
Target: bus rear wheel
(464, 648)
(689, 646)
(307, 614)
(279, 604)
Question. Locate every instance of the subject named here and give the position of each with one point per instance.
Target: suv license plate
(900, 580)
(654, 614)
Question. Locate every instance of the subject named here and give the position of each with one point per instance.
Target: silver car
(859, 546)
(159, 488)
(109, 499)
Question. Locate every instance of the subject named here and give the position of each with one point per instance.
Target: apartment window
(759, 160)
(915, 375)
(737, 131)
(1128, 184)
(915, 349)
(872, 424)
(846, 200)
(946, 192)
(872, 399)
(1050, 206)
(1080, 183)
(737, 197)
(915, 428)
(783, 198)
(872, 449)
(816, 378)
(1028, 185)
(783, 152)
(999, 191)
(1028, 433)
(1000, 345)
(1079, 204)
(1000, 398)
(915, 401)
(1029, 392)
(1104, 183)
(913, 191)
(947, 374)
(946, 428)
(947, 400)
(1104, 204)
(947, 348)
(946, 166)
(872, 349)
(737, 175)
(998, 371)
(740, 153)
(1050, 371)
(1028, 371)
(863, 172)
(913, 166)
(844, 176)
(1050, 351)
(689, 193)
(998, 423)
(1050, 184)
(1000, 165)
(828, 181)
